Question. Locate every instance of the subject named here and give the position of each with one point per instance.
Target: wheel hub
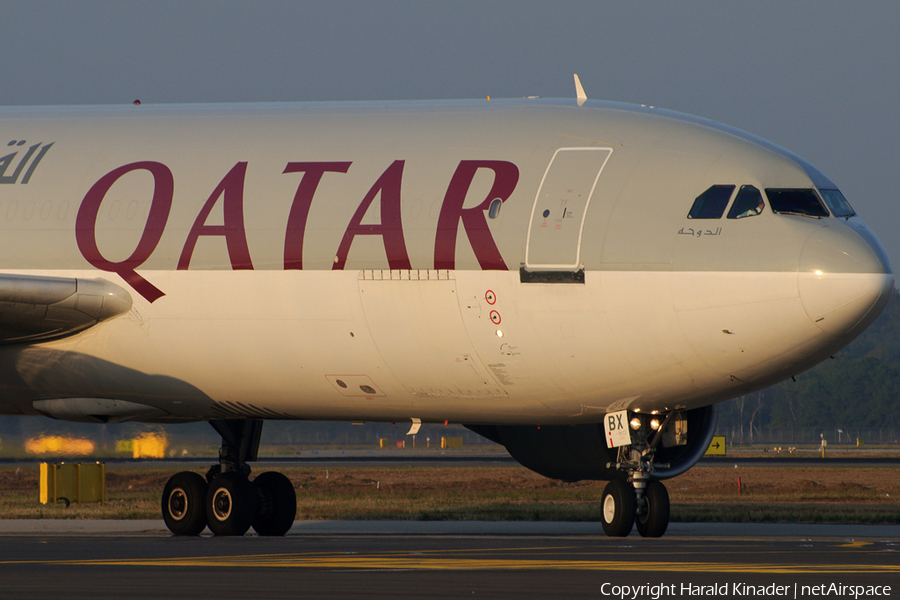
(222, 504)
(178, 504)
(609, 509)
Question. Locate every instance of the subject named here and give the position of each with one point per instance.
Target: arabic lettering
(7, 161)
(690, 231)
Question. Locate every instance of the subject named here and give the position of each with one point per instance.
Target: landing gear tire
(183, 503)
(231, 504)
(653, 520)
(277, 504)
(617, 508)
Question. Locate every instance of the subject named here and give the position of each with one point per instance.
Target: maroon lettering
(86, 225)
(506, 176)
(390, 229)
(296, 225)
(231, 188)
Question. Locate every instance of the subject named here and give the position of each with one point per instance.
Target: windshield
(711, 204)
(748, 203)
(837, 203)
(802, 202)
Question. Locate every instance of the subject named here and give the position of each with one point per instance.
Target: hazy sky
(820, 78)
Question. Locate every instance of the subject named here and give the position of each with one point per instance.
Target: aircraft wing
(35, 308)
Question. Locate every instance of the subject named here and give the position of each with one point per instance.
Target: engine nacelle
(576, 452)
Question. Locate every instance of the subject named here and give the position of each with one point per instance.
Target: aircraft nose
(845, 278)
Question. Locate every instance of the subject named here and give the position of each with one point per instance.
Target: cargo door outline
(556, 225)
(415, 321)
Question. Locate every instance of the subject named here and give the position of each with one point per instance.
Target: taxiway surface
(344, 559)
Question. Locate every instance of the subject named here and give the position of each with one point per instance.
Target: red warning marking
(495, 317)
(490, 297)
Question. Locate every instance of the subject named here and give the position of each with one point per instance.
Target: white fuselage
(351, 262)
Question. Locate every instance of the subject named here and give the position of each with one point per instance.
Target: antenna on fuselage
(580, 96)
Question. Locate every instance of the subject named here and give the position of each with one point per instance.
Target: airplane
(577, 280)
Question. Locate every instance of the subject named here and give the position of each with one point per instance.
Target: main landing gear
(637, 499)
(227, 501)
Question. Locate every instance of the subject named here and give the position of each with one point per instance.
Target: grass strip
(509, 493)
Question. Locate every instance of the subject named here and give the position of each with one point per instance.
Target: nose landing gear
(641, 502)
(652, 518)
(618, 506)
(637, 499)
(227, 501)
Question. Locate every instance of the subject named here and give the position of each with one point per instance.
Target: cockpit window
(802, 202)
(837, 203)
(711, 203)
(749, 203)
